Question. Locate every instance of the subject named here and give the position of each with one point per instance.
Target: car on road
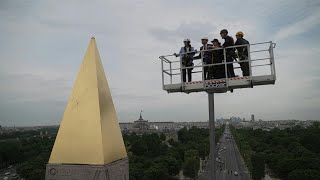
(236, 173)
(14, 176)
(7, 173)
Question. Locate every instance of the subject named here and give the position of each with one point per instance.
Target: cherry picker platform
(261, 67)
(261, 72)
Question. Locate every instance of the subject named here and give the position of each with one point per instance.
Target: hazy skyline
(43, 43)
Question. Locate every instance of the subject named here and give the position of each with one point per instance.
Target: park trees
(291, 153)
(191, 164)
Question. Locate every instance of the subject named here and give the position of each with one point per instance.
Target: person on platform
(242, 53)
(230, 52)
(206, 55)
(186, 54)
(217, 56)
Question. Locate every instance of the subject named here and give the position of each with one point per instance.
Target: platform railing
(198, 63)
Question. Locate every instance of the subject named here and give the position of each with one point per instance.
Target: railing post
(170, 72)
(203, 75)
(181, 68)
(272, 61)
(270, 58)
(225, 66)
(162, 72)
(249, 59)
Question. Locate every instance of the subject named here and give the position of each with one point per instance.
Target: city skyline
(43, 43)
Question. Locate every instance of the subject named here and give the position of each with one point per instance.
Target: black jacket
(187, 58)
(218, 70)
(207, 55)
(228, 41)
(218, 56)
(242, 51)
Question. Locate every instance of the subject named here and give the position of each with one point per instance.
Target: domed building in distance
(141, 124)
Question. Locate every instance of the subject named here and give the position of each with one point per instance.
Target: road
(231, 159)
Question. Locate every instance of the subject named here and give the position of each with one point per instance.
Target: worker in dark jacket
(217, 56)
(242, 53)
(207, 56)
(186, 53)
(230, 54)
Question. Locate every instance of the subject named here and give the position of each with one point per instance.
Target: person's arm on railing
(192, 52)
(179, 54)
(199, 56)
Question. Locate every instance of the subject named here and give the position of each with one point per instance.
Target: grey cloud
(19, 7)
(32, 88)
(31, 113)
(193, 30)
(46, 43)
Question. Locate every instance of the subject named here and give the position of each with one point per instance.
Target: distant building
(235, 120)
(169, 128)
(221, 121)
(252, 117)
(141, 124)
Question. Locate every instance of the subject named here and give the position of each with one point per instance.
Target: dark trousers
(218, 72)
(244, 67)
(206, 73)
(184, 74)
(230, 67)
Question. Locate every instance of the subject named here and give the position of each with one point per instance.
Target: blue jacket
(183, 50)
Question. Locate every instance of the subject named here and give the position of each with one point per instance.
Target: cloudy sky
(42, 44)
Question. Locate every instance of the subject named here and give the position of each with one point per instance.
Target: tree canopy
(292, 154)
(151, 157)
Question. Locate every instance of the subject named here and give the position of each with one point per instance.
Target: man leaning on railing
(207, 57)
(242, 53)
(186, 53)
(217, 57)
(230, 54)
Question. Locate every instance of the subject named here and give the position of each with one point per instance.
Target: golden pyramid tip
(89, 132)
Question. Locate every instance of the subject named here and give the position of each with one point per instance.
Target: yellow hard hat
(239, 33)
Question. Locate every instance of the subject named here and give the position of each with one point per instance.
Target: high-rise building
(89, 143)
(252, 117)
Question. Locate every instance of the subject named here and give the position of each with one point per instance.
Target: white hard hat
(186, 40)
(205, 38)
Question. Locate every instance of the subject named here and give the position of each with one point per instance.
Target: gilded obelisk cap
(89, 132)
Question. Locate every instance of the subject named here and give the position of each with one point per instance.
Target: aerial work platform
(261, 72)
(261, 67)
